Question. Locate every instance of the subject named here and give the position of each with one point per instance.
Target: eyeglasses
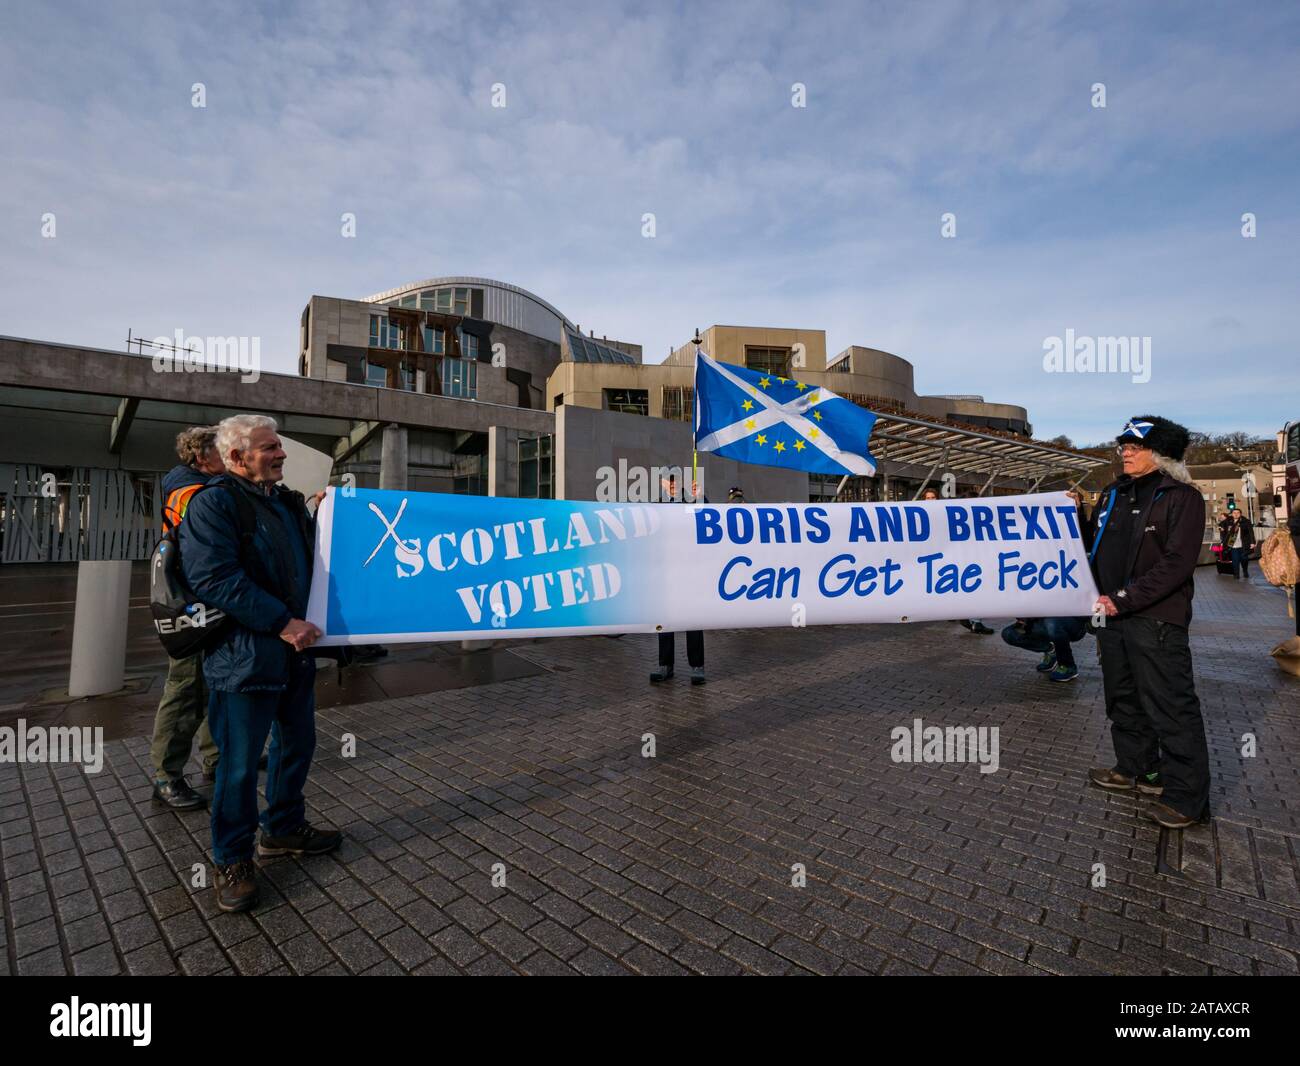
(1129, 449)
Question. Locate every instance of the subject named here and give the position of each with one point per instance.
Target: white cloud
(226, 220)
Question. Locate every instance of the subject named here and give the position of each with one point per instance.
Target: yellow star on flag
(764, 382)
(799, 445)
(760, 439)
(813, 433)
(817, 415)
(801, 386)
(780, 446)
(748, 405)
(813, 396)
(749, 423)
(781, 380)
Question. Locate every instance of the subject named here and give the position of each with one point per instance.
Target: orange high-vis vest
(177, 502)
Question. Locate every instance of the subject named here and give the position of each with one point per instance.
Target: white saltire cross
(773, 413)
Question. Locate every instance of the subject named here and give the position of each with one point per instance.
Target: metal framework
(912, 442)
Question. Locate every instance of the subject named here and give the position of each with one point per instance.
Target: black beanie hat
(1159, 434)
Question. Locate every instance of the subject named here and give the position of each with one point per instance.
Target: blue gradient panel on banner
(411, 566)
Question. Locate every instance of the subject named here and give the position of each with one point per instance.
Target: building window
(412, 379)
(679, 403)
(386, 334)
(459, 378)
(469, 475)
(468, 343)
(768, 360)
(628, 401)
(433, 339)
(457, 301)
(408, 301)
(536, 462)
(376, 375)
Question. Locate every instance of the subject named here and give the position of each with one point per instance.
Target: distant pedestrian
(735, 494)
(1146, 542)
(1237, 535)
(182, 711)
(929, 494)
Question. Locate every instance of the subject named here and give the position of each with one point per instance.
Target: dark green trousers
(182, 712)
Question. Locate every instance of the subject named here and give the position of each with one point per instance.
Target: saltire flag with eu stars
(760, 418)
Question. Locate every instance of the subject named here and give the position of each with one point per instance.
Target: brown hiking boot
(1111, 780)
(305, 840)
(237, 886)
(1165, 815)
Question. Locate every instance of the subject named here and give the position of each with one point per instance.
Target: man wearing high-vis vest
(182, 712)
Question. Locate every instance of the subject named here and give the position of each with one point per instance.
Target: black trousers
(694, 648)
(1155, 717)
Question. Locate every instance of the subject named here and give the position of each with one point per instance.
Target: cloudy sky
(1117, 221)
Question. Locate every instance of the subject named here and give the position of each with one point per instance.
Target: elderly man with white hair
(248, 553)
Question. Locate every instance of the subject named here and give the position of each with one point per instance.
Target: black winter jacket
(1162, 552)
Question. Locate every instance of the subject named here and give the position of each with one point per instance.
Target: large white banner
(407, 566)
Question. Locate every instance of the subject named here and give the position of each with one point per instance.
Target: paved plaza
(687, 862)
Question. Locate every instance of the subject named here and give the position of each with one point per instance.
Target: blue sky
(1123, 221)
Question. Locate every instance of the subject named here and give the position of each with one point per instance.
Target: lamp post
(697, 340)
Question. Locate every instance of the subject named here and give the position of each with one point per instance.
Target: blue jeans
(1240, 561)
(240, 722)
(1042, 634)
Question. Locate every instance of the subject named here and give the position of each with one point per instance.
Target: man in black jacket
(1146, 539)
(668, 493)
(1237, 536)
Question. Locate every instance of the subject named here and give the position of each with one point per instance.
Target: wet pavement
(510, 819)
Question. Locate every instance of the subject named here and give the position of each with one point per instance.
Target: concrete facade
(336, 346)
(876, 378)
(588, 440)
(1217, 480)
(866, 375)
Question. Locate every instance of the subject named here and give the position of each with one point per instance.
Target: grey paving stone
(98, 961)
(256, 955)
(87, 932)
(136, 932)
(619, 864)
(593, 963)
(408, 947)
(47, 963)
(306, 953)
(35, 937)
(151, 961)
(357, 951)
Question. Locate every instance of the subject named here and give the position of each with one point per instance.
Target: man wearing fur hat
(1147, 531)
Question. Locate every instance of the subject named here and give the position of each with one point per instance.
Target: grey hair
(235, 433)
(1175, 469)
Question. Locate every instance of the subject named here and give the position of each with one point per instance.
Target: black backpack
(185, 625)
